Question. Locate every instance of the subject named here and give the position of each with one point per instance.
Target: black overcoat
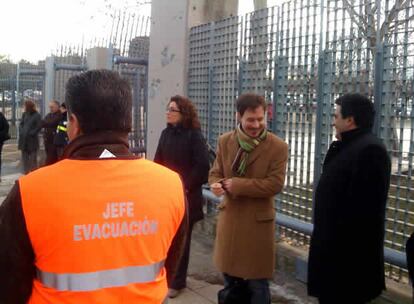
(346, 257)
(29, 128)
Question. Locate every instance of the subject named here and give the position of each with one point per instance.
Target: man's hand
(227, 184)
(217, 189)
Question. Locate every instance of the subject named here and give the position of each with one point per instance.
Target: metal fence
(302, 55)
(8, 97)
(128, 40)
(19, 82)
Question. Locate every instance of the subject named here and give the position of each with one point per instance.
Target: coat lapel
(233, 146)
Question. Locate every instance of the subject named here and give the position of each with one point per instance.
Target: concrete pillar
(99, 58)
(49, 93)
(170, 25)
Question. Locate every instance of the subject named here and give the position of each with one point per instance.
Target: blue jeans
(259, 289)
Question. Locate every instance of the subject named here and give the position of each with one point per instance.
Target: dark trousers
(259, 289)
(51, 153)
(59, 151)
(29, 159)
(180, 279)
(1, 150)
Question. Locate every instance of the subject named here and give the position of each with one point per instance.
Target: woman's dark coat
(185, 151)
(4, 129)
(346, 257)
(29, 129)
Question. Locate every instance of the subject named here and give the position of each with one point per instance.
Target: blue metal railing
(391, 256)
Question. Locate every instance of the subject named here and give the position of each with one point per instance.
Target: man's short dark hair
(101, 100)
(250, 101)
(359, 107)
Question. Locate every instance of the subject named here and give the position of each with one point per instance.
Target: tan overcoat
(244, 245)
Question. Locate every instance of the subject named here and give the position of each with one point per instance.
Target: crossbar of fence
(70, 67)
(31, 72)
(130, 60)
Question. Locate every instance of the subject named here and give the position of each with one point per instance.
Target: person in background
(346, 255)
(28, 142)
(4, 134)
(182, 148)
(49, 124)
(61, 137)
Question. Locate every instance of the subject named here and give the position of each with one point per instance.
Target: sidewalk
(197, 292)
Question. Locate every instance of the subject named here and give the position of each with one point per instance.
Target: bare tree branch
(355, 17)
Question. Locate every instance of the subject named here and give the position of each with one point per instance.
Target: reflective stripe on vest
(91, 281)
(62, 128)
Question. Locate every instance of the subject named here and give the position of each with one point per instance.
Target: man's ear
(73, 126)
(238, 116)
(351, 121)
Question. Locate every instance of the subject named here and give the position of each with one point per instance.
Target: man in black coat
(346, 257)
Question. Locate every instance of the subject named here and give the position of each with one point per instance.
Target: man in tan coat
(249, 171)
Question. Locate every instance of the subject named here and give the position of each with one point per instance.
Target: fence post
(50, 73)
(137, 106)
(3, 104)
(323, 116)
(378, 81)
(210, 99)
(14, 101)
(242, 65)
(281, 69)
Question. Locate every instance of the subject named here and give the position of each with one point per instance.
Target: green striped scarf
(247, 145)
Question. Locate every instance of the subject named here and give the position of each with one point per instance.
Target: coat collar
(351, 135)
(179, 128)
(91, 146)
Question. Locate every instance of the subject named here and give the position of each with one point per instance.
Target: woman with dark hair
(29, 128)
(183, 149)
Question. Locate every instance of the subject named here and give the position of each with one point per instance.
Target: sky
(31, 29)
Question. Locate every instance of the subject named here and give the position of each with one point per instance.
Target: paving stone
(189, 297)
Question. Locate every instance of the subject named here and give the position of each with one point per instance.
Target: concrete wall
(170, 25)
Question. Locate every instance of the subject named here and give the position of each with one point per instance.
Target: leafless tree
(374, 22)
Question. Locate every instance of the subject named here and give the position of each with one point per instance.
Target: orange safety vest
(101, 229)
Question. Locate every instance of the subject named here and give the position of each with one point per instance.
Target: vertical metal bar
(146, 104)
(378, 80)
(210, 94)
(137, 106)
(3, 103)
(210, 104)
(319, 126)
(126, 36)
(275, 89)
(13, 120)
